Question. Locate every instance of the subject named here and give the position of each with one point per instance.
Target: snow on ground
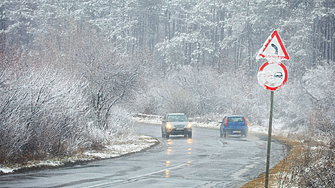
(132, 145)
(119, 149)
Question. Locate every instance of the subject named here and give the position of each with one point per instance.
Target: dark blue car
(234, 125)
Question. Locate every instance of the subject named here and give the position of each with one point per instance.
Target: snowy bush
(313, 167)
(121, 122)
(53, 107)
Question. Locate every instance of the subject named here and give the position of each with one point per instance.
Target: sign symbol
(275, 51)
(272, 75)
(279, 75)
(276, 48)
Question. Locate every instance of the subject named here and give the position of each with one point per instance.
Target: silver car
(176, 124)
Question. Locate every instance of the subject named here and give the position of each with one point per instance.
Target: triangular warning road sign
(273, 48)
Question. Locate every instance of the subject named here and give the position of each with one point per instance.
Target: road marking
(222, 144)
(137, 177)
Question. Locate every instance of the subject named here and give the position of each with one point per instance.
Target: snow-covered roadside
(157, 120)
(133, 144)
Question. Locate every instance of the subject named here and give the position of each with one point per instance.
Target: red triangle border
(286, 56)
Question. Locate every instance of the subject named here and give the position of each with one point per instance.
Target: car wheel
(190, 134)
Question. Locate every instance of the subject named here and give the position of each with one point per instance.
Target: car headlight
(189, 125)
(168, 126)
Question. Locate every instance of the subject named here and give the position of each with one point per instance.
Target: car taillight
(226, 122)
(245, 121)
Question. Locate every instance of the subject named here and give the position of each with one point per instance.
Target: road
(204, 161)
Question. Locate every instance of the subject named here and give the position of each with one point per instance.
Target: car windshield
(177, 118)
(235, 119)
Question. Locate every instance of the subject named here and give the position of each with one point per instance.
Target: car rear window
(235, 119)
(177, 118)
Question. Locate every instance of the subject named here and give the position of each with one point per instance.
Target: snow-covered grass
(134, 143)
(139, 143)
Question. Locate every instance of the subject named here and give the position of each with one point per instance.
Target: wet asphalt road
(204, 161)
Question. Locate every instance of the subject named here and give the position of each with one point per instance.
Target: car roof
(176, 114)
(235, 116)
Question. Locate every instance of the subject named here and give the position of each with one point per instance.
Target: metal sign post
(272, 76)
(269, 143)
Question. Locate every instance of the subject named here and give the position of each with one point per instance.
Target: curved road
(204, 161)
